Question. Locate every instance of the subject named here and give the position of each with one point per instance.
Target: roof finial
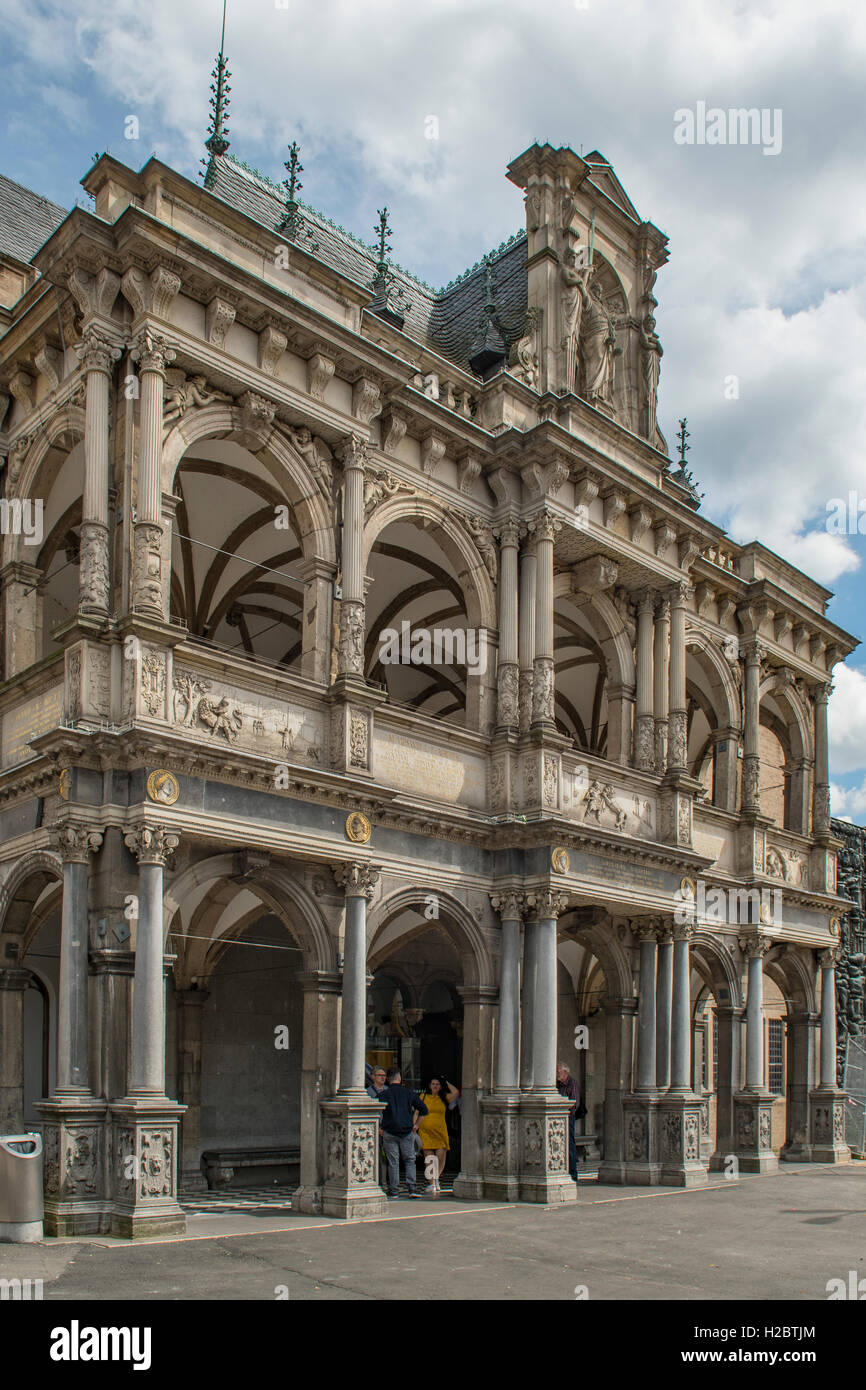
(684, 434)
(292, 224)
(382, 283)
(216, 143)
(487, 351)
(683, 475)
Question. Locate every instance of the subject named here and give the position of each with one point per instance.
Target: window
(775, 1055)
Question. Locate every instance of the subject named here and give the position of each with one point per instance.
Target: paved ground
(767, 1238)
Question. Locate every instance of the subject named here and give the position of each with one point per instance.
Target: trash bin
(21, 1207)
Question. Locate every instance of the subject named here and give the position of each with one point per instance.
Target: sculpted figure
(651, 355)
(189, 392)
(598, 342)
(572, 300)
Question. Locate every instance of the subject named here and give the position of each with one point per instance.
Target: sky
(762, 307)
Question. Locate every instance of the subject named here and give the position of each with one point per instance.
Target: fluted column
(661, 663)
(526, 629)
(98, 355)
(549, 906)
(664, 1004)
(153, 355)
(151, 845)
(644, 725)
(75, 844)
(352, 608)
(677, 708)
(507, 695)
(359, 883)
(751, 800)
(681, 1012)
(828, 1019)
(545, 528)
(821, 793)
(646, 1016)
(509, 906)
(755, 948)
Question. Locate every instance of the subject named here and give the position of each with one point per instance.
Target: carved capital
(683, 931)
(755, 944)
(829, 959)
(75, 843)
(357, 880)
(96, 351)
(352, 453)
(544, 526)
(508, 532)
(151, 351)
(151, 844)
(510, 905)
(546, 904)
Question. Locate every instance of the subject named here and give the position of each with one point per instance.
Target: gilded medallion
(163, 787)
(559, 861)
(358, 828)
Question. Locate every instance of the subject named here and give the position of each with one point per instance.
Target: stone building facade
(240, 830)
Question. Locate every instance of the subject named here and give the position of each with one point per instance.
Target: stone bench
(220, 1165)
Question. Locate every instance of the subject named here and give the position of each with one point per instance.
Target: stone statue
(572, 301)
(188, 392)
(651, 355)
(598, 344)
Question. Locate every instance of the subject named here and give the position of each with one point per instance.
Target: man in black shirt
(403, 1109)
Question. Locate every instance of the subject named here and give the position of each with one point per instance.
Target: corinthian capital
(510, 905)
(151, 351)
(358, 880)
(352, 453)
(151, 844)
(755, 944)
(75, 843)
(545, 526)
(546, 904)
(97, 352)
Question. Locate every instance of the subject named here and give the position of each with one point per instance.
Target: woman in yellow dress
(432, 1129)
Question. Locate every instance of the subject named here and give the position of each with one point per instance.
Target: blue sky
(767, 278)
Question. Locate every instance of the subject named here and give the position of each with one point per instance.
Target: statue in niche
(572, 300)
(598, 345)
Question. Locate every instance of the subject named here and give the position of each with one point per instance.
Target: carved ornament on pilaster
(664, 534)
(151, 844)
(94, 294)
(357, 880)
(219, 317)
(73, 842)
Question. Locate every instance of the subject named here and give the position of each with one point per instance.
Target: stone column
(153, 355)
(73, 1119)
(479, 1002)
(13, 982)
(145, 1122)
(527, 1002)
(190, 1003)
(543, 1112)
(545, 528)
(98, 355)
(619, 1018)
(827, 1102)
(501, 1110)
(726, 744)
(821, 793)
(644, 723)
(526, 630)
(661, 662)
(751, 800)
(664, 1004)
(507, 717)
(646, 1018)
(317, 618)
(801, 1071)
(22, 617)
(359, 882)
(753, 1105)
(350, 1121)
(679, 1111)
(677, 708)
(730, 1019)
(318, 1078)
(350, 662)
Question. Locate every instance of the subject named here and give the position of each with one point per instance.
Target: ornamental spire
(382, 283)
(487, 350)
(216, 143)
(683, 475)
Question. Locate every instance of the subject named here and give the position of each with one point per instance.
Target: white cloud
(847, 719)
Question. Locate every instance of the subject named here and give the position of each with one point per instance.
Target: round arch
(454, 917)
(16, 906)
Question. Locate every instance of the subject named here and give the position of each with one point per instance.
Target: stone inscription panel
(25, 721)
(427, 770)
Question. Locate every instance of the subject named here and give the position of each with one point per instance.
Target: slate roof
(445, 320)
(26, 220)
